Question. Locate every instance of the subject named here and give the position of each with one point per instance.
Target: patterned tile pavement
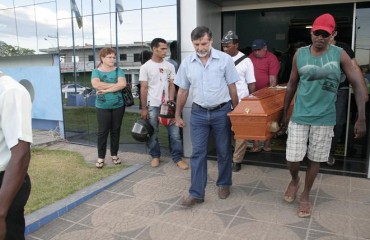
(146, 206)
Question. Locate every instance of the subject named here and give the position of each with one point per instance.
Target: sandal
(305, 209)
(116, 160)
(99, 163)
(255, 149)
(291, 192)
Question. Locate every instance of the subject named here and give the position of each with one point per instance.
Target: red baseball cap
(324, 22)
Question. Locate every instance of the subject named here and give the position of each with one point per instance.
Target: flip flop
(99, 163)
(305, 209)
(290, 195)
(255, 149)
(116, 161)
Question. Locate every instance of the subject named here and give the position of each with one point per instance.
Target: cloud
(37, 22)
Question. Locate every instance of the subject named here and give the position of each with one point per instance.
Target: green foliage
(9, 50)
(55, 174)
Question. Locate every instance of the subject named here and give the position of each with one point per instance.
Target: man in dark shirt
(342, 98)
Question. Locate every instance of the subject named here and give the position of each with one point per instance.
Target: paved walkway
(146, 205)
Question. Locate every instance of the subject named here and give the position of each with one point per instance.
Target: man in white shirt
(157, 87)
(244, 87)
(15, 155)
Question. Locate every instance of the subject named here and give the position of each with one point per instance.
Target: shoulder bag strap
(240, 59)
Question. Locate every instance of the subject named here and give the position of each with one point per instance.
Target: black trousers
(109, 122)
(15, 223)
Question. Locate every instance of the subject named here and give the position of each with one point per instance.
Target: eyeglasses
(321, 33)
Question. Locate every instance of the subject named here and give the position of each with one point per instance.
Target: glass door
(360, 148)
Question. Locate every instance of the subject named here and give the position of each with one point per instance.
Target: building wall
(42, 73)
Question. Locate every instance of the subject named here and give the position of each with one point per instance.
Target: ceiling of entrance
(231, 3)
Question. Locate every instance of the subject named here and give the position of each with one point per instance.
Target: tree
(9, 50)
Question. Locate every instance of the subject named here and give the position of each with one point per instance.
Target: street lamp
(54, 49)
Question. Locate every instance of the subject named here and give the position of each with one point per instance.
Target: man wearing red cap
(314, 79)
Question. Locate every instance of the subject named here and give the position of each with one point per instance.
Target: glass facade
(50, 27)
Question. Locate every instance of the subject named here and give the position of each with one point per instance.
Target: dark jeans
(202, 122)
(109, 121)
(341, 106)
(15, 223)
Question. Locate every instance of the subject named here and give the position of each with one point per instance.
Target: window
(91, 58)
(123, 57)
(137, 57)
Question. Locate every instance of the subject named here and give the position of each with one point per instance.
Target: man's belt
(211, 108)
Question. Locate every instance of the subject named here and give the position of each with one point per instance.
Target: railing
(89, 66)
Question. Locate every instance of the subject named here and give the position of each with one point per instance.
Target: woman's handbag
(127, 96)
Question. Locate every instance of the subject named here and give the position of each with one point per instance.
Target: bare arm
(290, 92)
(272, 80)
(356, 80)
(121, 83)
(98, 85)
(363, 82)
(252, 87)
(144, 99)
(13, 179)
(233, 94)
(171, 91)
(182, 96)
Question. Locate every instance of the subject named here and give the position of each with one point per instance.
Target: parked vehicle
(72, 88)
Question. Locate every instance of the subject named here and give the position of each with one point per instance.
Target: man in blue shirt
(211, 76)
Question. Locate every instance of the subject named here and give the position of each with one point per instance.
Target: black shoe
(237, 167)
(331, 161)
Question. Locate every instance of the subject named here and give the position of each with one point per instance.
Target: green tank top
(317, 87)
(108, 100)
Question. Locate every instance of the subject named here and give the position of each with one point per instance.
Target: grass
(82, 121)
(55, 174)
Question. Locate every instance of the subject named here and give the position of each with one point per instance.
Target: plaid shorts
(319, 142)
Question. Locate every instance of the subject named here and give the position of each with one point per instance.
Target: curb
(37, 219)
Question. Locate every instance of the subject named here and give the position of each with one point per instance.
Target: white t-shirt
(15, 117)
(158, 76)
(245, 70)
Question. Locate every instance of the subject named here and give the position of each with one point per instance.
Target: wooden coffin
(257, 117)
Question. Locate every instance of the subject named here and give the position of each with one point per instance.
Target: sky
(38, 23)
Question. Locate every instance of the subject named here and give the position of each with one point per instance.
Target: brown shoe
(223, 192)
(154, 162)
(190, 201)
(182, 165)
